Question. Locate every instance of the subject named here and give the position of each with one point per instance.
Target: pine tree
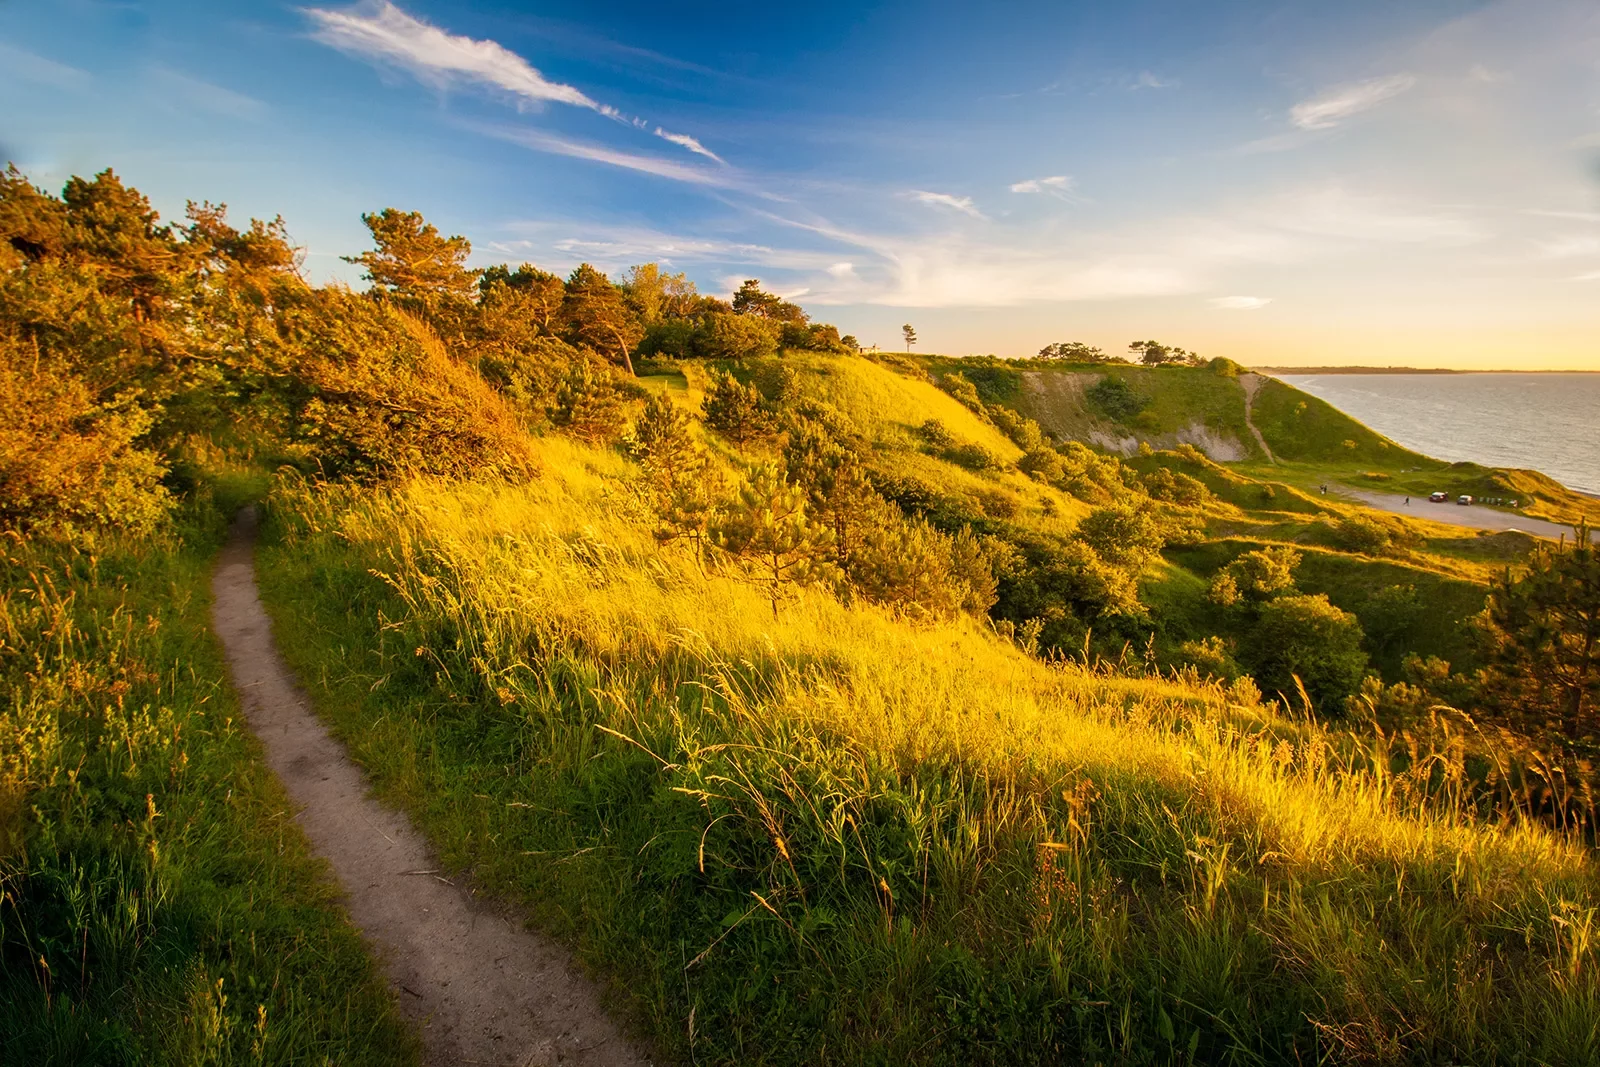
(767, 529)
(1542, 635)
(597, 316)
(413, 260)
(734, 409)
(589, 405)
(663, 442)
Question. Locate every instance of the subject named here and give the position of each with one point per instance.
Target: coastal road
(1473, 517)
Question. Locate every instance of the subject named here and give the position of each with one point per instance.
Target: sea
(1547, 422)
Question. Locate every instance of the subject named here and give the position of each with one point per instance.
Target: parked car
(1463, 499)
(1438, 498)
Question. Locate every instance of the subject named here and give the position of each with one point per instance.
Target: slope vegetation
(837, 835)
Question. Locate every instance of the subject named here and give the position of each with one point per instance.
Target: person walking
(1408, 502)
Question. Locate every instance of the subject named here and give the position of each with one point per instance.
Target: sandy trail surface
(480, 988)
(1250, 383)
(1473, 517)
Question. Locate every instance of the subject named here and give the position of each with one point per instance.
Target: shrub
(70, 465)
(1307, 637)
(1116, 399)
(974, 457)
(589, 405)
(734, 409)
(729, 336)
(934, 432)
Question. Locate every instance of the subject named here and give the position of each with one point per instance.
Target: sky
(1284, 183)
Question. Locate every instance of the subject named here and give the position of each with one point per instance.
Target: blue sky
(1293, 182)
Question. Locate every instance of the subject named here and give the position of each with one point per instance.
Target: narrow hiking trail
(1250, 383)
(479, 987)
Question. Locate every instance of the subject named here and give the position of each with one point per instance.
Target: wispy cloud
(379, 30)
(176, 87)
(1147, 80)
(1587, 276)
(1059, 185)
(21, 65)
(962, 204)
(1239, 303)
(1339, 214)
(540, 141)
(685, 141)
(1332, 106)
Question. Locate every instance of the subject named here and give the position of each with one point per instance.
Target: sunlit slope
(834, 835)
(893, 402)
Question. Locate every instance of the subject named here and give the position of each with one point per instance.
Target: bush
(1309, 638)
(70, 465)
(1116, 399)
(729, 336)
(975, 457)
(934, 432)
(734, 409)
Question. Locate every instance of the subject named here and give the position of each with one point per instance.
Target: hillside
(830, 833)
(831, 708)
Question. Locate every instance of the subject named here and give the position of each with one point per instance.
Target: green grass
(1403, 607)
(1301, 427)
(159, 904)
(837, 836)
(1180, 400)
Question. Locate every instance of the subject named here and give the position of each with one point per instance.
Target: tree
(1308, 638)
(750, 299)
(663, 442)
(849, 341)
(724, 336)
(1074, 352)
(655, 295)
(734, 409)
(1541, 632)
(413, 260)
(1256, 577)
(768, 530)
(910, 335)
(1156, 354)
(538, 293)
(588, 405)
(598, 318)
(1124, 536)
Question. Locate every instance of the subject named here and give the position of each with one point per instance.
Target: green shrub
(1116, 399)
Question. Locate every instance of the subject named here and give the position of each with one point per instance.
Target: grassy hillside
(837, 836)
(160, 904)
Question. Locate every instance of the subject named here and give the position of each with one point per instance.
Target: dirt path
(480, 989)
(1250, 383)
(1472, 517)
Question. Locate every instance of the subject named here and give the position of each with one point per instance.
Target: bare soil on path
(1473, 516)
(1250, 383)
(480, 988)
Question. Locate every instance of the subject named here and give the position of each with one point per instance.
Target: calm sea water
(1549, 422)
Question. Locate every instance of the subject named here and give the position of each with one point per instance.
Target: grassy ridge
(838, 837)
(160, 905)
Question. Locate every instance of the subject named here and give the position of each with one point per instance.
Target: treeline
(125, 340)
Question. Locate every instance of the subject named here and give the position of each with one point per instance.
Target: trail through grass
(159, 903)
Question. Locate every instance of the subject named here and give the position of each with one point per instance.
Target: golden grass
(1161, 798)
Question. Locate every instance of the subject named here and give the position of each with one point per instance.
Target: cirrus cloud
(1332, 106)
(379, 30)
(962, 204)
(1239, 303)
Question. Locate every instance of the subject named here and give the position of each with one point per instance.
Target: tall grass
(158, 904)
(838, 837)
